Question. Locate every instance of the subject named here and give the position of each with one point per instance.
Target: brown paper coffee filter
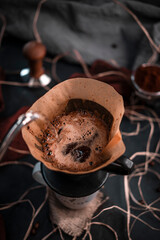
(76, 94)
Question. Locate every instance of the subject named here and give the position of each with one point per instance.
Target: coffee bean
(152, 163)
(33, 231)
(141, 201)
(36, 225)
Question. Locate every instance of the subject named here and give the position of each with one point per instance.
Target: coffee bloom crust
(76, 141)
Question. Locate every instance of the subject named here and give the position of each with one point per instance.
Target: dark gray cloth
(97, 29)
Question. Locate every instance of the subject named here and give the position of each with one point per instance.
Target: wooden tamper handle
(35, 52)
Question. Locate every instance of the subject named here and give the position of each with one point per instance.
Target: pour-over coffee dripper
(73, 188)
